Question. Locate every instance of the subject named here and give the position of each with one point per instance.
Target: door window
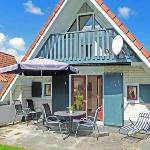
(79, 92)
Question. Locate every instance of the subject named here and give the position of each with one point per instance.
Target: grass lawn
(5, 147)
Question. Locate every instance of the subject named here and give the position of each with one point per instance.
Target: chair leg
(77, 130)
(97, 128)
(66, 126)
(60, 128)
(14, 119)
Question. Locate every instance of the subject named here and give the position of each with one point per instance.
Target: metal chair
(89, 122)
(35, 111)
(50, 120)
(142, 124)
(19, 111)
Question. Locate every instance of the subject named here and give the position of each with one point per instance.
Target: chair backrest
(47, 110)
(143, 121)
(96, 114)
(18, 107)
(30, 104)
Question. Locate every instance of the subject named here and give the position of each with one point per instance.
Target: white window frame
(132, 101)
(85, 14)
(43, 89)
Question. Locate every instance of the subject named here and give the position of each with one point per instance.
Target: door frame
(86, 75)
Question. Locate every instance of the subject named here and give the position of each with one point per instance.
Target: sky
(21, 20)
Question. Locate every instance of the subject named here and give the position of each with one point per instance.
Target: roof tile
(57, 8)
(117, 21)
(145, 53)
(42, 31)
(111, 14)
(105, 8)
(100, 2)
(131, 37)
(2, 79)
(124, 29)
(6, 60)
(138, 44)
(37, 38)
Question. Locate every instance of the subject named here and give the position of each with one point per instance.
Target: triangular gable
(138, 48)
(142, 52)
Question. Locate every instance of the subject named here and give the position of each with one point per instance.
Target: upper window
(85, 22)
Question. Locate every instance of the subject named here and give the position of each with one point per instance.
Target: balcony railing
(81, 47)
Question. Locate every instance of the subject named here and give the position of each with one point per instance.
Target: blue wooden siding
(85, 47)
(60, 95)
(144, 93)
(113, 99)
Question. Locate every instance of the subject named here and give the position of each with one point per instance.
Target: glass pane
(97, 25)
(85, 22)
(79, 92)
(94, 90)
(73, 27)
(47, 90)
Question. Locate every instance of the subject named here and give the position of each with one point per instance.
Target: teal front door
(113, 99)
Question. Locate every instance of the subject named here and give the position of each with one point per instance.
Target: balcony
(84, 47)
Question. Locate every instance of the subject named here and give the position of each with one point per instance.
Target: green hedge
(5, 147)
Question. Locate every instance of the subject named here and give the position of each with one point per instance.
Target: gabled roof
(112, 16)
(6, 60)
(145, 52)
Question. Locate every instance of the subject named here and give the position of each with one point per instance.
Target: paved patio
(33, 138)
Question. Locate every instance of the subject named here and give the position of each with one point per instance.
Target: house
(6, 79)
(81, 33)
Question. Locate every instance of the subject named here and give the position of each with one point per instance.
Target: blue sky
(21, 20)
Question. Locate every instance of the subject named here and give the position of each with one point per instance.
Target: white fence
(7, 114)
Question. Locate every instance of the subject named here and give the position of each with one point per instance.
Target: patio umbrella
(40, 67)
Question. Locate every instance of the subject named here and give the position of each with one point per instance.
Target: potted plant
(71, 109)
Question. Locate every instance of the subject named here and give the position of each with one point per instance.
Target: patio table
(71, 116)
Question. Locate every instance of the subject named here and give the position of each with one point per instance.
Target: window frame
(132, 101)
(43, 89)
(85, 14)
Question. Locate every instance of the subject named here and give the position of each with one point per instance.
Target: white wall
(7, 114)
(26, 89)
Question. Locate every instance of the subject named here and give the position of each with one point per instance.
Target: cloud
(2, 38)
(125, 12)
(17, 43)
(13, 46)
(31, 8)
